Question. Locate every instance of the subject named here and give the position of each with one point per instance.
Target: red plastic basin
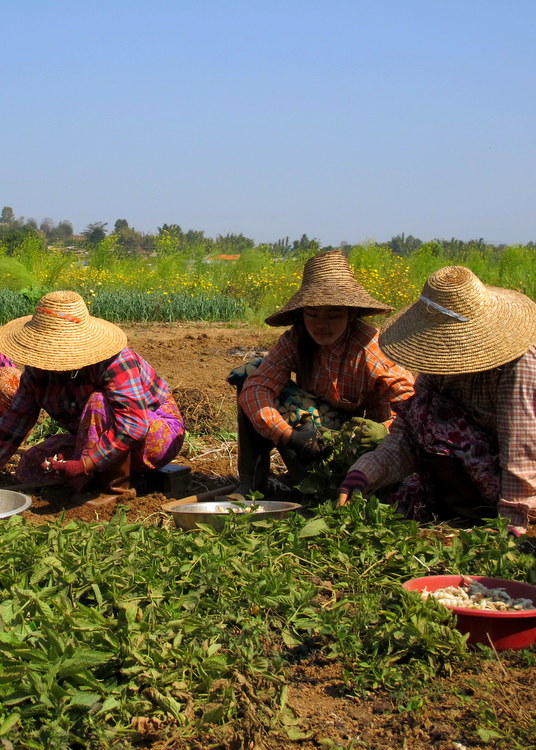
(502, 629)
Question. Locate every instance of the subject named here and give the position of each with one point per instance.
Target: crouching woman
(119, 415)
(340, 373)
(465, 443)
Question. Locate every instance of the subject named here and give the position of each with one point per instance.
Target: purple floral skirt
(436, 427)
(161, 444)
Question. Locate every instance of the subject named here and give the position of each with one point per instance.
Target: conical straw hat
(328, 281)
(459, 325)
(61, 335)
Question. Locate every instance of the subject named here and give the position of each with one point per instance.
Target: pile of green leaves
(103, 623)
(343, 448)
(46, 427)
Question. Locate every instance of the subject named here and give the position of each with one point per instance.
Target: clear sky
(346, 120)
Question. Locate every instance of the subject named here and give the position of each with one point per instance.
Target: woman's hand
(306, 444)
(372, 433)
(305, 440)
(355, 481)
(76, 472)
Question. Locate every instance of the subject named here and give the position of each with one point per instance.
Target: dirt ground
(195, 359)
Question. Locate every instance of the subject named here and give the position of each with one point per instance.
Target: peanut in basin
(474, 595)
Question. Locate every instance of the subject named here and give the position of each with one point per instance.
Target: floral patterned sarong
(161, 444)
(437, 426)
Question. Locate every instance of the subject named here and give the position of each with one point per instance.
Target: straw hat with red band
(61, 335)
(328, 281)
(459, 325)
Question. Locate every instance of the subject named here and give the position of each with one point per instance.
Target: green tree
(13, 235)
(281, 248)
(173, 230)
(47, 226)
(304, 248)
(402, 245)
(7, 216)
(120, 224)
(31, 224)
(233, 244)
(95, 232)
(194, 238)
(64, 231)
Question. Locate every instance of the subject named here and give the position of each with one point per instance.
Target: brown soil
(195, 359)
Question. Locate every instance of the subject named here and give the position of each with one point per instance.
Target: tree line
(171, 238)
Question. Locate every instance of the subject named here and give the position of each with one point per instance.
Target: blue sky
(341, 119)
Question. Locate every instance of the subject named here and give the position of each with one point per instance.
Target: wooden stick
(25, 486)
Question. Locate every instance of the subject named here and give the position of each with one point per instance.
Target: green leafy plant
(103, 623)
(343, 449)
(46, 427)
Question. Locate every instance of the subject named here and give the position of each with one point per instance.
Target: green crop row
(101, 624)
(132, 306)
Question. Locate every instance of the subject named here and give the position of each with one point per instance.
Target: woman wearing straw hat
(119, 415)
(340, 373)
(466, 442)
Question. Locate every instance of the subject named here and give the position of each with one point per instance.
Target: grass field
(175, 287)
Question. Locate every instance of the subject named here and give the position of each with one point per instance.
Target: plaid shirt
(502, 400)
(352, 375)
(129, 383)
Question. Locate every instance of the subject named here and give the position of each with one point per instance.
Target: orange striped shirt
(352, 375)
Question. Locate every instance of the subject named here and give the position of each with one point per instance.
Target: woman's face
(326, 324)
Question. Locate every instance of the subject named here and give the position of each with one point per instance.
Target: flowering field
(177, 288)
(247, 287)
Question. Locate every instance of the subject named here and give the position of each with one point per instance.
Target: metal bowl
(503, 630)
(12, 503)
(216, 512)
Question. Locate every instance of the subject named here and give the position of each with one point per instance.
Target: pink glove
(354, 481)
(70, 469)
(74, 471)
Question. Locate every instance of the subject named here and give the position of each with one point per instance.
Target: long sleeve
(263, 387)
(516, 434)
(384, 384)
(352, 375)
(393, 459)
(390, 462)
(131, 386)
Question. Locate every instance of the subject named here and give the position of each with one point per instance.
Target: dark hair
(307, 349)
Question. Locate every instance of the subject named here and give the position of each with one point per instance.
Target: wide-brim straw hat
(61, 335)
(459, 325)
(328, 281)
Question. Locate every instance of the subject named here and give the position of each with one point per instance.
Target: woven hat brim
(428, 341)
(98, 341)
(327, 297)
